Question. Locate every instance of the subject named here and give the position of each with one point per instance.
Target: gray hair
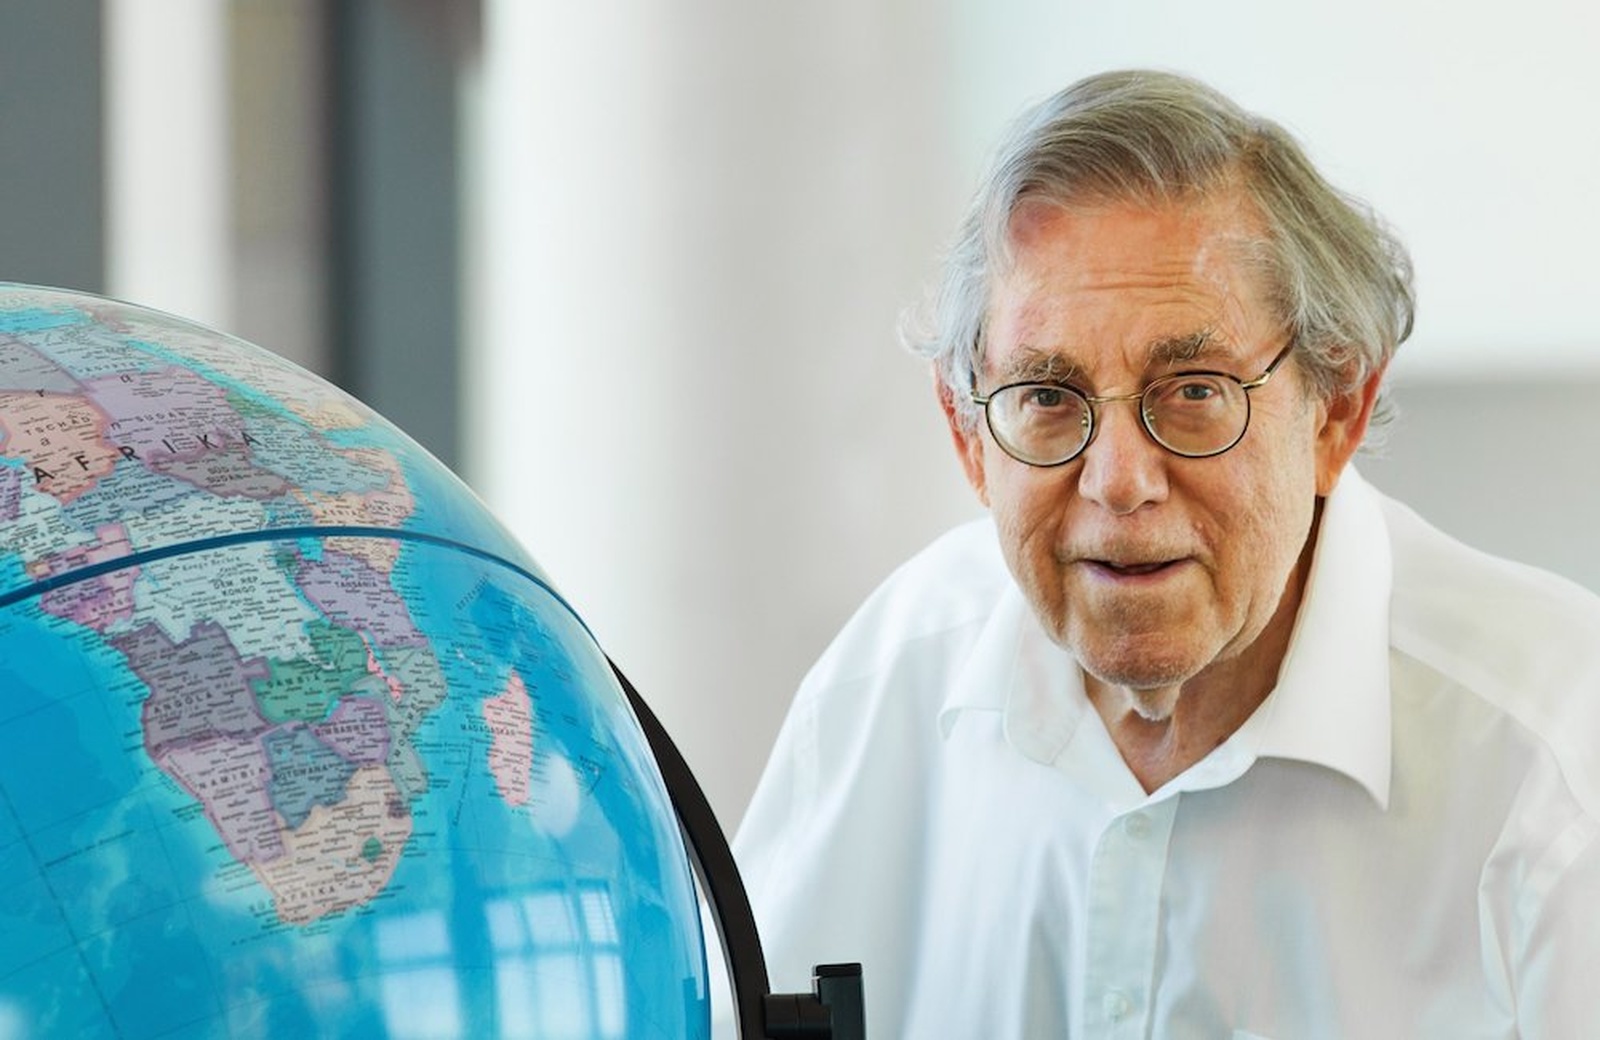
(1338, 278)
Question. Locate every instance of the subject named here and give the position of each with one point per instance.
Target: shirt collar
(987, 678)
(1332, 703)
(1330, 706)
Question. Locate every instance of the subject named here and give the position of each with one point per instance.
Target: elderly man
(1197, 735)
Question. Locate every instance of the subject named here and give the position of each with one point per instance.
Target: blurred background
(634, 269)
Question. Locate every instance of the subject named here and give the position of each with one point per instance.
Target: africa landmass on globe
(295, 628)
(317, 809)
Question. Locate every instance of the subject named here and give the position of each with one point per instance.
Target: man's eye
(1045, 398)
(1187, 392)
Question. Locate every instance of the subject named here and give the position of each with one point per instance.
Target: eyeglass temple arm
(1283, 355)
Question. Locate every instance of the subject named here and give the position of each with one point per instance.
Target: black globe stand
(834, 1009)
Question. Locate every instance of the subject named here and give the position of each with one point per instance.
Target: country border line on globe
(277, 534)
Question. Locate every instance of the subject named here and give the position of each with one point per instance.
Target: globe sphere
(295, 740)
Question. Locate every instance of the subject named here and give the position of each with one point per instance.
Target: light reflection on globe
(294, 739)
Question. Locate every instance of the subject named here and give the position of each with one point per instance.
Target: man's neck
(1161, 732)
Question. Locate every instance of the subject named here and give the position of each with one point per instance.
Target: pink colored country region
(508, 716)
(96, 603)
(61, 438)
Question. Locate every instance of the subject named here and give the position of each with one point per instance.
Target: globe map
(295, 740)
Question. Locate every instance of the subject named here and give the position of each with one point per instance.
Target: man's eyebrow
(1174, 350)
(1031, 365)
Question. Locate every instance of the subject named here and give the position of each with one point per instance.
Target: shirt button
(1137, 826)
(1116, 1005)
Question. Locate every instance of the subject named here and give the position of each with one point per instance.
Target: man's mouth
(1132, 569)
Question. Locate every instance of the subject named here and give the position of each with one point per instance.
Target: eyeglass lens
(1191, 414)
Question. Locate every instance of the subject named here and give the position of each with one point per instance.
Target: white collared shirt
(1400, 842)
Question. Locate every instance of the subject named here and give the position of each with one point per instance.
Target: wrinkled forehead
(1162, 282)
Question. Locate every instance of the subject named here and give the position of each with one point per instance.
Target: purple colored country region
(177, 423)
(358, 730)
(229, 777)
(228, 471)
(148, 403)
(24, 368)
(10, 493)
(95, 603)
(352, 593)
(199, 688)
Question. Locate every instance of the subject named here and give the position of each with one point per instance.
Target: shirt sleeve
(1558, 946)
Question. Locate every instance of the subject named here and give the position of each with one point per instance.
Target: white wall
(1466, 123)
(697, 224)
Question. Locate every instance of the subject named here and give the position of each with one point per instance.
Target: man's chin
(1132, 642)
(1119, 693)
(1145, 678)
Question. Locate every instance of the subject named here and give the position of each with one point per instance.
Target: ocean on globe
(295, 741)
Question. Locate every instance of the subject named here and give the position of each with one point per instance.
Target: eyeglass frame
(1091, 402)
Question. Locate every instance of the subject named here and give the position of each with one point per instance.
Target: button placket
(1127, 874)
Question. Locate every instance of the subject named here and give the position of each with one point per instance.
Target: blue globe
(295, 740)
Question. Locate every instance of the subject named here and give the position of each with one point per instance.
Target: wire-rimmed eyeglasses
(1192, 414)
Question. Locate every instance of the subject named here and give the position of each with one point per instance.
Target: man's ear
(1343, 427)
(968, 440)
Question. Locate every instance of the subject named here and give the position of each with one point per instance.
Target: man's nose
(1123, 468)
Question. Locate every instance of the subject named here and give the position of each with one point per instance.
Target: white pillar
(168, 241)
(697, 225)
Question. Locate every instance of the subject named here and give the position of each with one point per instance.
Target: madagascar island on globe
(294, 739)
